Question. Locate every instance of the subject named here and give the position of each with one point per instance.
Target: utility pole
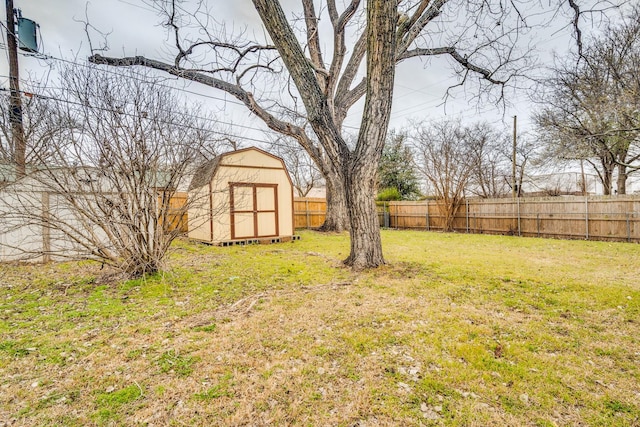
(514, 191)
(15, 101)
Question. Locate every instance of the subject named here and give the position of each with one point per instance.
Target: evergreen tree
(396, 169)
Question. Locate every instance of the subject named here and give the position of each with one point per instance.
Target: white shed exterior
(33, 217)
(241, 196)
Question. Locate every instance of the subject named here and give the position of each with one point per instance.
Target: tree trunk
(360, 167)
(606, 177)
(366, 244)
(622, 179)
(336, 219)
(450, 209)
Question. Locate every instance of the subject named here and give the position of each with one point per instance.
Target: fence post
(519, 228)
(428, 215)
(397, 223)
(306, 203)
(386, 221)
(466, 203)
(538, 223)
(475, 224)
(586, 216)
(628, 227)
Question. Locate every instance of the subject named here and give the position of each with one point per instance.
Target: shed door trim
(254, 211)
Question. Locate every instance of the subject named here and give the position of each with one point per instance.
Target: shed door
(254, 210)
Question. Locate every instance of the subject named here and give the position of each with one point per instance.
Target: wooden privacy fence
(594, 218)
(308, 212)
(177, 212)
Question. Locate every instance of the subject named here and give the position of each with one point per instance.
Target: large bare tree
(490, 176)
(318, 87)
(444, 155)
(591, 109)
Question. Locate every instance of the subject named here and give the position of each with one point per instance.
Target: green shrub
(389, 194)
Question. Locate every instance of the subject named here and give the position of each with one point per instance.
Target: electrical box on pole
(27, 35)
(24, 35)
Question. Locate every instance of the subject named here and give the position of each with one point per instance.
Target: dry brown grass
(457, 330)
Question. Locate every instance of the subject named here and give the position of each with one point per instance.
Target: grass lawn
(458, 330)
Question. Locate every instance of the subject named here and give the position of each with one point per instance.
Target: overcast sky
(135, 29)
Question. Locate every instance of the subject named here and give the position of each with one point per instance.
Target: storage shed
(242, 196)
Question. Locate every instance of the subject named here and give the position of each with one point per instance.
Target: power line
(50, 57)
(61, 90)
(42, 56)
(177, 79)
(193, 116)
(421, 90)
(397, 114)
(221, 133)
(45, 57)
(138, 6)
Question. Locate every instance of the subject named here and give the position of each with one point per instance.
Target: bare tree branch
(576, 24)
(485, 73)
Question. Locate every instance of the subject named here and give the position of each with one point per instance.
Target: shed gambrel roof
(205, 172)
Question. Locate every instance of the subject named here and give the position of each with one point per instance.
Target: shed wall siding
(199, 218)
